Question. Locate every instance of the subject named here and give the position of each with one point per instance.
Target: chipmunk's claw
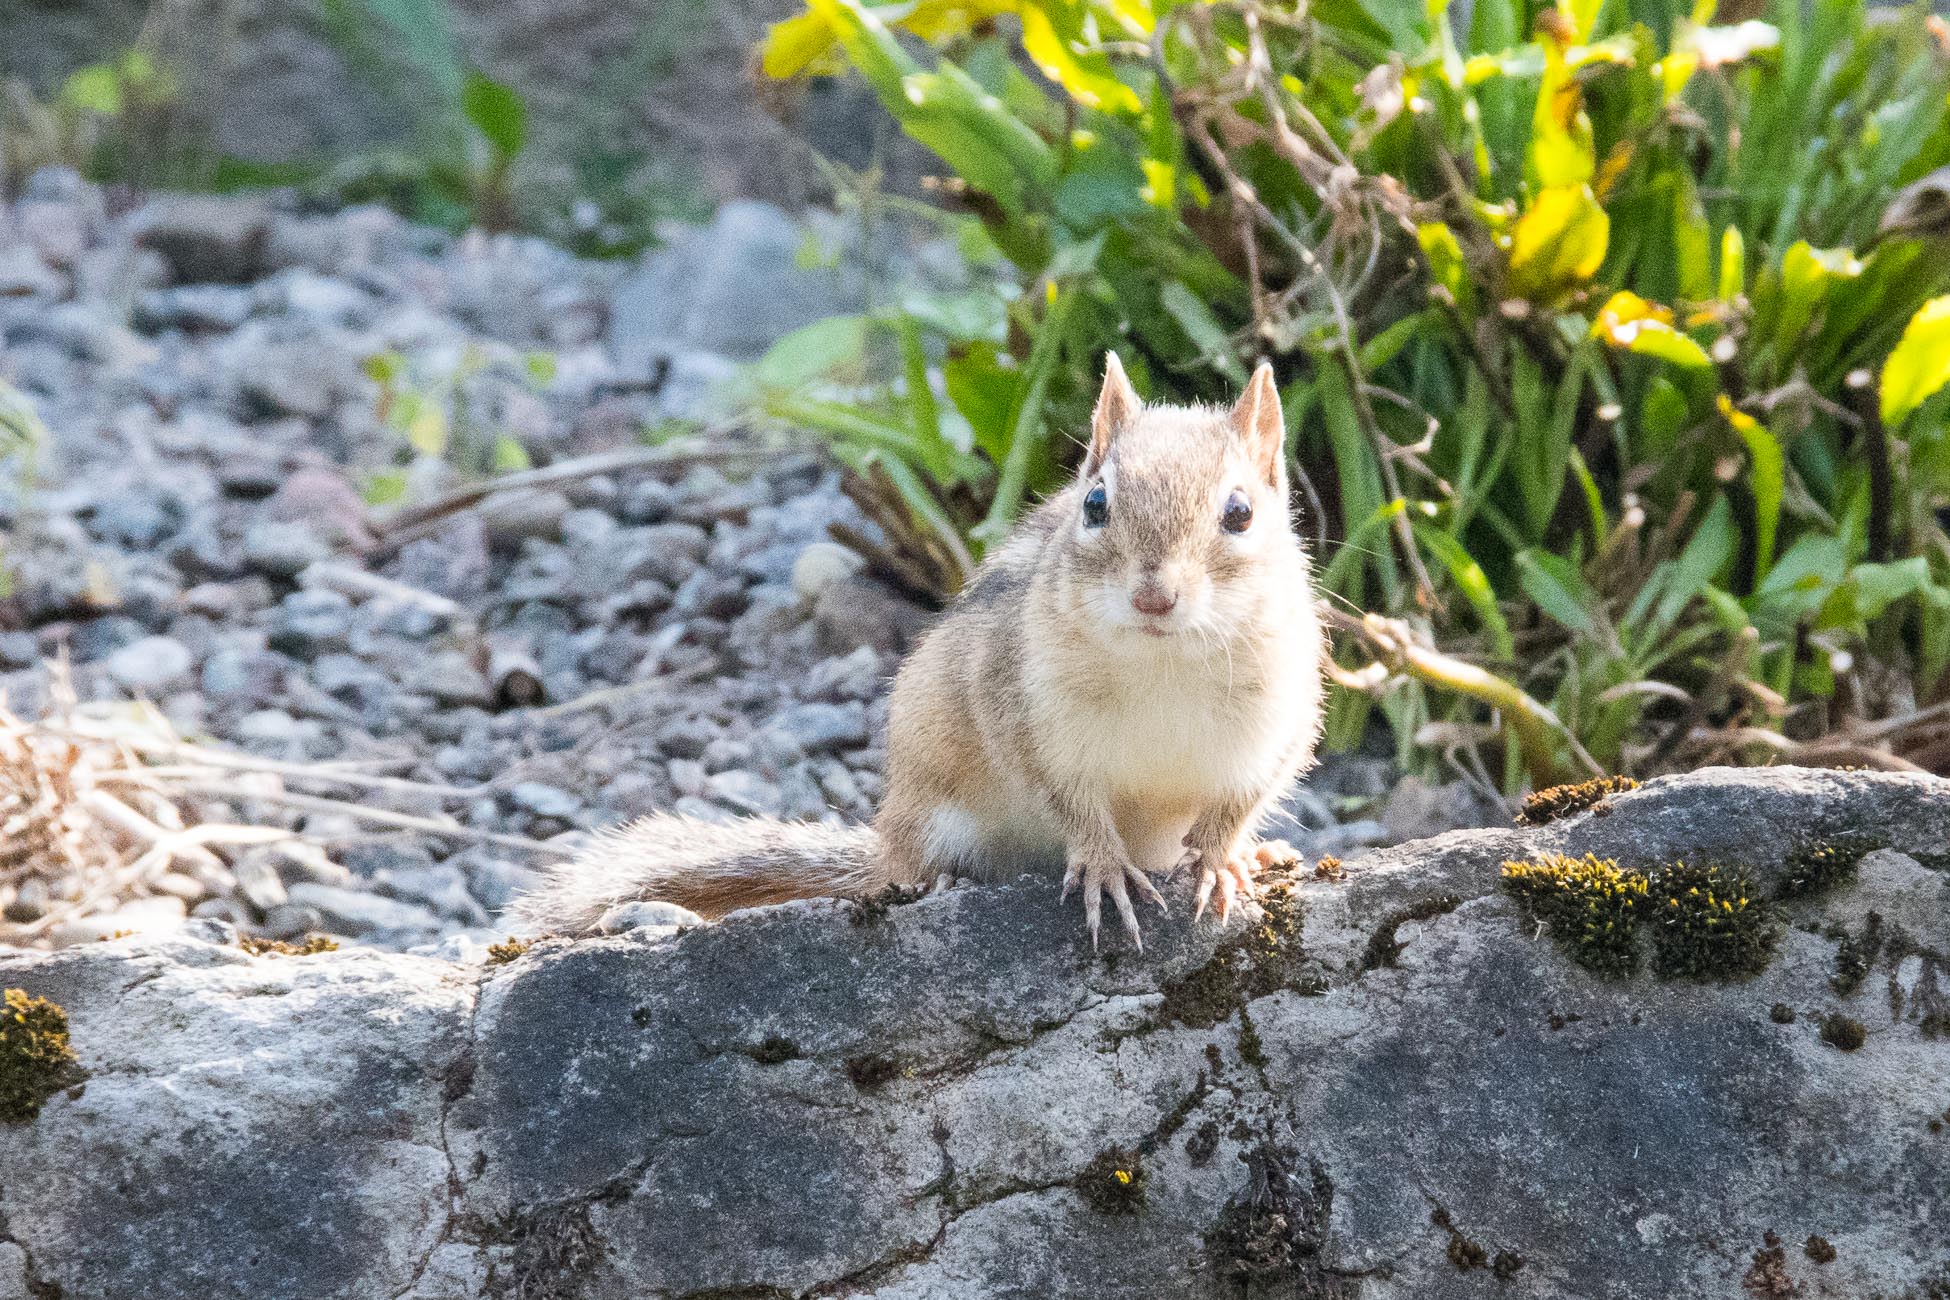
(1237, 875)
(1116, 881)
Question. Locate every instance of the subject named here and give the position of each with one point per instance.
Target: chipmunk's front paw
(1115, 879)
(1237, 873)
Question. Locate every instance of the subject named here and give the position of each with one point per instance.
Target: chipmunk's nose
(1154, 599)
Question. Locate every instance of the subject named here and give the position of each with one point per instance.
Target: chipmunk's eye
(1096, 506)
(1237, 517)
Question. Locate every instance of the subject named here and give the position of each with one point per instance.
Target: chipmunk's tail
(711, 868)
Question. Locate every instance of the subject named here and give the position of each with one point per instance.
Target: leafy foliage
(1614, 336)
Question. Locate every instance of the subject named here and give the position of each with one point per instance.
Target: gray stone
(451, 678)
(155, 665)
(24, 275)
(206, 237)
(358, 911)
(207, 307)
(540, 800)
(283, 548)
(747, 792)
(818, 727)
(652, 914)
(733, 287)
(941, 1092)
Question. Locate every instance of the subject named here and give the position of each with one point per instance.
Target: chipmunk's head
(1181, 526)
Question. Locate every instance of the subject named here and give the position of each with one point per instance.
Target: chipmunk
(1128, 685)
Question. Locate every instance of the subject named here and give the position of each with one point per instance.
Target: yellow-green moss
(1709, 923)
(1114, 1182)
(1589, 905)
(36, 1059)
(1816, 869)
(1563, 800)
(500, 954)
(312, 945)
(1706, 922)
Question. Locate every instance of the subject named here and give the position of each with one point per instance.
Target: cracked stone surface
(820, 1099)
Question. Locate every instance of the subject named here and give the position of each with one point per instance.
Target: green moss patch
(1590, 907)
(500, 954)
(1855, 955)
(1844, 1032)
(1709, 924)
(1816, 869)
(1266, 956)
(1547, 806)
(1705, 922)
(36, 1059)
(1272, 1236)
(310, 946)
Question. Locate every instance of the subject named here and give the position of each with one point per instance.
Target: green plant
(434, 411)
(468, 130)
(128, 119)
(1615, 338)
(36, 1059)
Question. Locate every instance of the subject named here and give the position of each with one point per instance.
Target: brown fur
(1040, 725)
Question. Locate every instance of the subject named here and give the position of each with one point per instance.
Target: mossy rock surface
(937, 1106)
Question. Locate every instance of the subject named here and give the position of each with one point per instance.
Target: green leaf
(384, 488)
(1630, 322)
(94, 89)
(1733, 264)
(1203, 328)
(509, 455)
(1555, 586)
(1769, 479)
(541, 368)
(1088, 79)
(816, 351)
(423, 423)
(1447, 266)
(1920, 364)
(497, 112)
(1474, 584)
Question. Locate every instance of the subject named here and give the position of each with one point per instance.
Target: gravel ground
(196, 533)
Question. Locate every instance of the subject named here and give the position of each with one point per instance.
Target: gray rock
(861, 611)
(283, 548)
(646, 915)
(358, 911)
(208, 307)
(733, 288)
(540, 800)
(310, 622)
(945, 1089)
(206, 237)
(155, 665)
(451, 678)
(24, 275)
(819, 727)
(747, 792)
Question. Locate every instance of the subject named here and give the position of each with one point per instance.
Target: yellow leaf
(796, 46)
(1090, 87)
(1920, 364)
(1560, 241)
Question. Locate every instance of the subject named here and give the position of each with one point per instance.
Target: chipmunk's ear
(1261, 425)
(1117, 406)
